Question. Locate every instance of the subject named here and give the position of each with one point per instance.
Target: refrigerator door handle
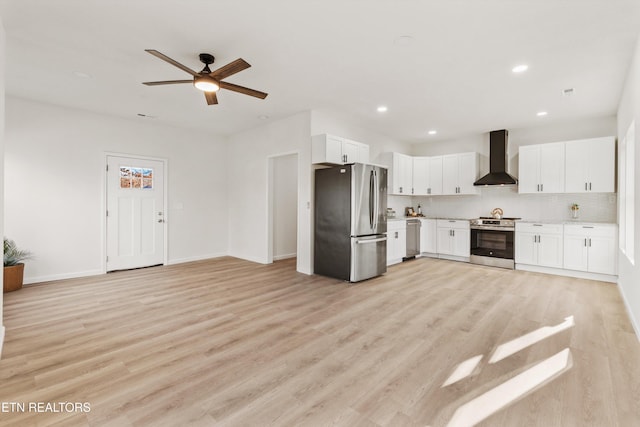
(363, 241)
(376, 213)
(371, 196)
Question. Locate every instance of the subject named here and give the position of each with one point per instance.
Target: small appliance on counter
(391, 213)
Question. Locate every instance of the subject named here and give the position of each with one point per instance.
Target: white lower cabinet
(453, 237)
(539, 244)
(428, 236)
(590, 248)
(396, 241)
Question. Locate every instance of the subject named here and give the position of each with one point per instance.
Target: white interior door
(135, 213)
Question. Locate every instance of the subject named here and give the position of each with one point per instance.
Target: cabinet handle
(541, 187)
(589, 241)
(400, 189)
(587, 226)
(428, 191)
(396, 235)
(539, 239)
(585, 187)
(453, 233)
(585, 241)
(412, 190)
(537, 225)
(589, 186)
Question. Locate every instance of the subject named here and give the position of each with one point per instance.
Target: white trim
(632, 319)
(269, 195)
(195, 258)
(453, 257)
(165, 196)
(63, 276)
(568, 273)
(1, 339)
(250, 258)
(285, 256)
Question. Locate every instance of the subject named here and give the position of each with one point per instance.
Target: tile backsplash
(594, 207)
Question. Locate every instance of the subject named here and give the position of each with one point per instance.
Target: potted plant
(13, 265)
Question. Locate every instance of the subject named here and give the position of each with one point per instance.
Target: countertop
(567, 222)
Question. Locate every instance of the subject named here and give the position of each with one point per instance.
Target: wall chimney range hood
(497, 161)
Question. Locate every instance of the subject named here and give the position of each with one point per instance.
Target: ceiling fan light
(206, 84)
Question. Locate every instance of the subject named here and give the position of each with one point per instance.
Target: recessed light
(147, 116)
(520, 68)
(432, 132)
(81, 75)
(403, 41)
(382, 109)
(567, 92)
(541, 113)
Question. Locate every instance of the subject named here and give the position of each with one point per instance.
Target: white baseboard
(634, 321)
(1, 339)
(52, 277)
(453, 258)
(568, 273)
(194, 258)
(285, 256)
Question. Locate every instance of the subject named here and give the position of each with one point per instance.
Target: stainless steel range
(492, 241)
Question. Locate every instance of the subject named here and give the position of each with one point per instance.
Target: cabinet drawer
(452, 223)
(539, 228)
(590, 230)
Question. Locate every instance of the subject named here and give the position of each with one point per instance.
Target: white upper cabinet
(427, 176)
(590, 165)
(400, 176)
(541, 168)
(459, 172)
(333, 149)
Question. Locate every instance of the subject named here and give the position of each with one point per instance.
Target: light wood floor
(229, 342)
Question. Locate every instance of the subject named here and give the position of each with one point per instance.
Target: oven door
(492, 243)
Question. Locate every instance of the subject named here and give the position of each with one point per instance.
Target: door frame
(270, 202)
(105, 195)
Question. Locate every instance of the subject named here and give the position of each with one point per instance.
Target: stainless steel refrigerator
(350, 222)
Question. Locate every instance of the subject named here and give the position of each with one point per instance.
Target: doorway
(135, 214)
(283, 206)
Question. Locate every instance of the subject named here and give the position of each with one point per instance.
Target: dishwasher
(413, 238)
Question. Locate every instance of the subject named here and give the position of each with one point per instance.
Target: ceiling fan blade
(211, 97)
(230, 69)
(171, 61)
(167, 82)
(244, 90)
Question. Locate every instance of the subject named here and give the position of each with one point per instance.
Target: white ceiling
(337, 55)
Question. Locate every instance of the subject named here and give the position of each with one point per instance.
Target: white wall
(54, 186)
(535, 207)
(285, 206)
(628, 111)
(2, 119)
(248, 163)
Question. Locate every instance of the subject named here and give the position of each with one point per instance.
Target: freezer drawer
(368, 257)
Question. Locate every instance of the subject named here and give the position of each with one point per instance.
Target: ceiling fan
(209, 81)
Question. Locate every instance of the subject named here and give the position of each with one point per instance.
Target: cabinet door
(428, 240)
(467, 173)
(550, 250)
(552, 167)
(526, 248)
(333, 149)
(461, 242)
(363, 153)
(392, 246)
(576, 254)
(435, 175)
(529, 169)
(450, 174)
(420, 176)
(350, 151)
(576, 166)
(402, 174)
(601, 165)
(602, 254)
(402, 243)
(444, 241)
